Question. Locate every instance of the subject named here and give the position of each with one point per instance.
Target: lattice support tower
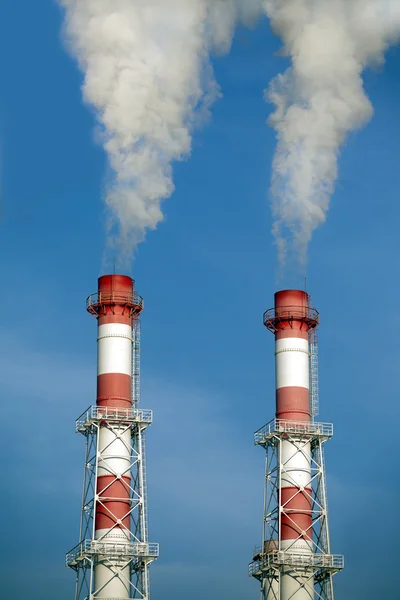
(114, 553)
(294, 561)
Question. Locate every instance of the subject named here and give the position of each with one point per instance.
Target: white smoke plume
(319, 100)
(148, 76)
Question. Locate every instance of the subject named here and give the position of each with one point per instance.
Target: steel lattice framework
(136, 553)
(269, 560)
(123, 552)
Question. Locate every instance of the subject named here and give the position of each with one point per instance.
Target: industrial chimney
(294, 561)
(113, 555)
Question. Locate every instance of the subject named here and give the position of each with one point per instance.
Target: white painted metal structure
(294, 561)
(292, 570)
(113, 556)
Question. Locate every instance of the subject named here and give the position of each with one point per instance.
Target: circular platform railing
(100, 301)
(274, 317)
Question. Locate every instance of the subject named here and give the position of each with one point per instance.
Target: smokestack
(113, 555)
(294, 561)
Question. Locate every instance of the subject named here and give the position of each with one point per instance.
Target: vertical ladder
(144, 486)
(314, 393)
(141, 434)
(325, 529)
(136, 362)
(140, 444)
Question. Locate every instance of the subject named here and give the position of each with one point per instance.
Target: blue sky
(207, 275)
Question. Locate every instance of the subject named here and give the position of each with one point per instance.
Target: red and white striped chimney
(295, 561)
(293, 404)
(116, 310)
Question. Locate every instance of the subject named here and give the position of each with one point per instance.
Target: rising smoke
(319, 100)
(148, 76)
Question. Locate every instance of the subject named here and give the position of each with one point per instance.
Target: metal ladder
(314, 393)
(144, 490)
(325, 531)
(136, 362)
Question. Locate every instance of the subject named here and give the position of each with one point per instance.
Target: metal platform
(277, 427)
(276, 560)
(98, 303)
(89, 549)
(95, 415)
(274, 317)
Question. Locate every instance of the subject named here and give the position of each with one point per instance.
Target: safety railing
(95, 414)
(90, 548)
(273, 316)
(279, 426)
(333, 562)
(113, 298)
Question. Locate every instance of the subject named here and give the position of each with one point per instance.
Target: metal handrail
(112, 413)
(272, 316)
(114, 297)
(295, 427)
(93, 547)
(326, 561)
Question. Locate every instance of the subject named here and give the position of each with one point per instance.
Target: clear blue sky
(207, 274)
